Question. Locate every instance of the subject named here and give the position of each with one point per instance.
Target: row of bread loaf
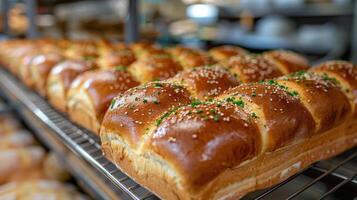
(82, 77)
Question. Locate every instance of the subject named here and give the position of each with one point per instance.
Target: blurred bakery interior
(57, 160)
(323, 29)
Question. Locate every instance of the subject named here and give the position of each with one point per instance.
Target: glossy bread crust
(60, 79)
(287, 61)
(92, 92)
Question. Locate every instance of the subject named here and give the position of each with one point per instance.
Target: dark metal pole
(132, 22)
(31, 11)
(5, 16)
(354, 35)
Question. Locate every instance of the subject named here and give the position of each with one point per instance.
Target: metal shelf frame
(328, 179)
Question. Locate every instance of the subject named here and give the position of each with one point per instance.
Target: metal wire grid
(328, 179)
(87, 145)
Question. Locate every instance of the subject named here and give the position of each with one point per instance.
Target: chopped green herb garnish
(157, 85)
(272, 82)
(325, 77)
(112, 104)
(195, 103)
(156, 102)
(120, 68)
(293, 93)
(199, 111)
(238, 102)
(165, 115)
(145, 101)
(255, 116)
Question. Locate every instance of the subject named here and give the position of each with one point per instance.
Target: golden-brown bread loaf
(287, 61)
(206, 82)
(60, 79)
(344, 74)
(40, 67)
(250, 68)
(151, 52)
(225, 52)
(139, 47)
(91, 93)
(281, 117)
(154, 68)
(39, 189)
(17, 162)
(16, 139)
(116, 58)
(250, 137)
(8, 124)
(79, 50)
(190, 58)
(202, 83)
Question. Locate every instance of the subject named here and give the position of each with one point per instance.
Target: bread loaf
(91, 93)
(250, 137)
(225, 52)
(60, 79)
(39, 68)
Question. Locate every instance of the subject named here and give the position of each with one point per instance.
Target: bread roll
(287, 61)
(116, 58)
(39, 189)
(90, 95)
(250, 68)
(139, 47)
(154, 68)
(60, 79)
(80, 50)
(40, 67)
(225, 52)
(190, 58)
(17, 163)
(16, 139)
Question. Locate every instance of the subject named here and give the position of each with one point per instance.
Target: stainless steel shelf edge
(80, 141)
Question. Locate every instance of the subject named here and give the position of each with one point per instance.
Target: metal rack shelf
(335, 178)
(80, 141)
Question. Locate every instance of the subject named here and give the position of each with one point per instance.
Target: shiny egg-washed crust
(143, 106)
(82, 49)
(116, 58)
(344, 73)
(40, 67)
(250, 137)
(60, 79)
(90, 95)
(151, 52)
(225, 52)
(281, 117)
(190, 58)
(154, 68)
(249, 68)
(134, 112)
(139, 47)
(328, 105)
(206, 82)
(287, 61)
